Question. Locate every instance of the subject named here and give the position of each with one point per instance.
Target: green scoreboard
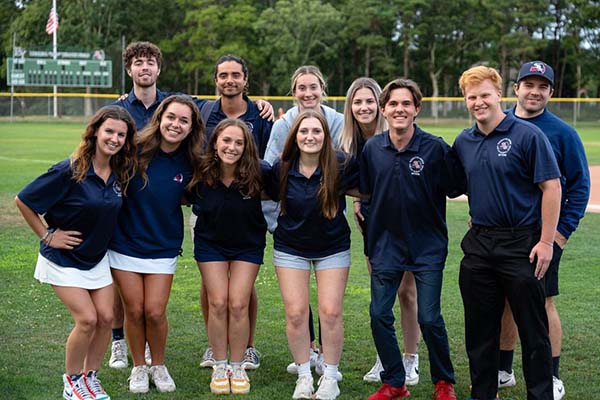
(61, 72)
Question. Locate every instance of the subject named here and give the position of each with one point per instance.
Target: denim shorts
(286, 260)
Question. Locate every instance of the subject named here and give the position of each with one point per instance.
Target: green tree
(298, 32)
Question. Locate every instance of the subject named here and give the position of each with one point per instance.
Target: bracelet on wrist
(49, 239)
(547, 243)
(45, 236)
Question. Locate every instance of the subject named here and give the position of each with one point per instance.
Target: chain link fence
(79, 107)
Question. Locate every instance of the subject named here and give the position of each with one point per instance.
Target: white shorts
(142, 265)
(96, 278)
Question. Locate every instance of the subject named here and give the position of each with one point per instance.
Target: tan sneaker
(240, 383)
(219, 382)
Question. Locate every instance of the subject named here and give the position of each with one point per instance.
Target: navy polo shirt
(503, 171)
(90, 207)
(408, 189)
(151, 221)
(229, 220)
(303, 230)
(142, 115)
(260, 127)
(575, 174)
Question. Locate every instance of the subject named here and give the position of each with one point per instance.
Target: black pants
(496, 266)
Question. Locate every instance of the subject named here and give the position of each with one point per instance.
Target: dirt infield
(594, 203)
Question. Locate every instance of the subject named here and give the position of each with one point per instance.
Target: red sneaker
(389, 392)
(443, 391)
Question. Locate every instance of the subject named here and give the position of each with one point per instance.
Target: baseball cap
(536, 68)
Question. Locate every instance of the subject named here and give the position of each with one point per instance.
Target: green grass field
(34, 325)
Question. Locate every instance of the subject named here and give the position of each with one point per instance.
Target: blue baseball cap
(536, 68)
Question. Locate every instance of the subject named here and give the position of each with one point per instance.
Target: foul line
(30, 160)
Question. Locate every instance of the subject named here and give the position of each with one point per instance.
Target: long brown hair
(150, 138)
(123, 164)
(247, 170)
(328, 192)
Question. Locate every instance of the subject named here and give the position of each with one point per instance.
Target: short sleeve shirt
(503, 170)
(151, 221)
(408, 189)
(90, 207)
(229, 219)
(303, 230)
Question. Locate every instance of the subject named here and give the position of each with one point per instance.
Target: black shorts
(205, 251)
(551, 277)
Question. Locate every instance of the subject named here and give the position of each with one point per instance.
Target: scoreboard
(61, 72)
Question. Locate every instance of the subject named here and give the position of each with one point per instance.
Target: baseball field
(34, 324)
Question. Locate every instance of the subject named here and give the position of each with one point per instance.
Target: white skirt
(96, 278)
(142, 265)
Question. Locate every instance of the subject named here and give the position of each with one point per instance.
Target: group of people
(112, 213)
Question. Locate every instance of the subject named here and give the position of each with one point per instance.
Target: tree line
(431, 42)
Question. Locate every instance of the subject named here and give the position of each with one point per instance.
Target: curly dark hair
(141, 49)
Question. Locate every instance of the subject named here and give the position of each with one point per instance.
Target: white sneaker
(292, 368)
(251, 358)
(147, 355)
(138, 380)
(559, 388)
(506, 379)
(208, 360)
(95, 388)
(118, 354)
(411, 367)
(304, 387)
(374, 373)
(328, 389)
(76, 390)
(320, 367)
(161, 378)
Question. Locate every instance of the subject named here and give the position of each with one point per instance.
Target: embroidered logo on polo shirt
(178, 178)
(503, 146)
(250, 125)
(117, 189)
(416, 165)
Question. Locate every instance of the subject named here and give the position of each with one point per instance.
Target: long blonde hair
(352, 132)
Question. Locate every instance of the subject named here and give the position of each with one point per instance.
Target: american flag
(52, 24)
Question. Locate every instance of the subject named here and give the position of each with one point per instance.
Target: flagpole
(55, 56)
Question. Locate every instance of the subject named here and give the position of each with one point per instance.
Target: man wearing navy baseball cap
(534, 87)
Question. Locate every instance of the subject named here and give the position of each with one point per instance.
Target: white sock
(330, 370)
(304, 368)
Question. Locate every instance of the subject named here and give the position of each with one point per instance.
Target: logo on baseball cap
(536, 68)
